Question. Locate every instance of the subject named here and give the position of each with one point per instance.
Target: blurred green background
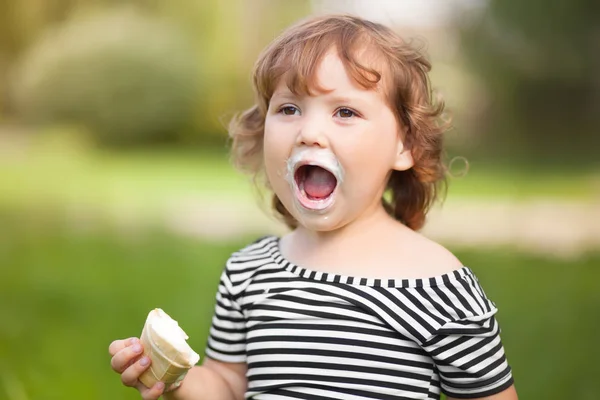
(116, 194)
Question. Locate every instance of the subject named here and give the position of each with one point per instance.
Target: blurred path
(548, 226)
(544, 225)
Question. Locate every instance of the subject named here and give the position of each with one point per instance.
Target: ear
(404, 159)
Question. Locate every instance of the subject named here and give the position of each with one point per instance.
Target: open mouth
(315, 186)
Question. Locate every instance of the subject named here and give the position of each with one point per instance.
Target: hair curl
(296, 53)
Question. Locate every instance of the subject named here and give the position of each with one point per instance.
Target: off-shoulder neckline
(454, 276)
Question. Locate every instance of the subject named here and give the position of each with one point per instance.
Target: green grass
(57, 173)
(62, 175)
(64, 295)
(489, 181)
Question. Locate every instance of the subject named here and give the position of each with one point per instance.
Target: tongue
(319, 183)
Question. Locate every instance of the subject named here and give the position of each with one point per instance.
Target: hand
(128, 360)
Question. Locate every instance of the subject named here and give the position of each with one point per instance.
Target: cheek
(275, 153)
(272, 146)
(368, 166)
(377, 151)
(370, 158)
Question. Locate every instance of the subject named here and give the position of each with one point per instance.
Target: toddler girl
(353, 303)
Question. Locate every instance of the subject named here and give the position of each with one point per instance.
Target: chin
(326, 222)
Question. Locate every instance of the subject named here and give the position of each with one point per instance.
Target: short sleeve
(227, 337)
(467, 349)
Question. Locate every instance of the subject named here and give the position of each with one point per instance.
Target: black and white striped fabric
(312, 335)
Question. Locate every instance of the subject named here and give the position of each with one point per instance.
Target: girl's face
(328, 156)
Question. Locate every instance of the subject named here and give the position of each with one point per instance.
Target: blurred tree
(23, 22)
(222, 39)
(538, 62)
(126, 77)
(228, 35)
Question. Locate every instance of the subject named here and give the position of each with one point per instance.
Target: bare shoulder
(428, 257)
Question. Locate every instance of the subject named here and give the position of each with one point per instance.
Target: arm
(508, 394)
(226, 379)
(214, 380)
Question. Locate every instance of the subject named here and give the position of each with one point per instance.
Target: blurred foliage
(24, 22)
(135, 71)
(538, 61)
(121, 75)
(67, 291)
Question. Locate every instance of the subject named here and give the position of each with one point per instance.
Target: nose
(312, 132)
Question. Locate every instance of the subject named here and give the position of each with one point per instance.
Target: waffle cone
(168, 364)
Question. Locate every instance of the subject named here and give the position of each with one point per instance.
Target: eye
(345, 113)
(289, 110)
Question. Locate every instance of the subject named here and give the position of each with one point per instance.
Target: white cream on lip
(323, 158)
(169, 330)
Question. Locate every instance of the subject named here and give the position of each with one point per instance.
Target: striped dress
(311, 335)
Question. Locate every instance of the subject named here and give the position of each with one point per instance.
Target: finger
(130, 376)
(153, 393)
(123, 359)
(119, 345)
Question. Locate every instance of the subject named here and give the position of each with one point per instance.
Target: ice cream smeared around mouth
(169, 330)
(314, 176)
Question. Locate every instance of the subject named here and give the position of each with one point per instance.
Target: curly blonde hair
(296, 53)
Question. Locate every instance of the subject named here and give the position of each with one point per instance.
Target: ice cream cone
(165, 344)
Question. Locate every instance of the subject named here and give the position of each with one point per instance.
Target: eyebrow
(342, 99)
(350, 100)
(283, 95)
